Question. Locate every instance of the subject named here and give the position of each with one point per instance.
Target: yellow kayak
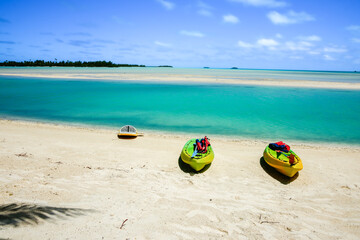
(200, 160)
(128, 132)
(281, 161)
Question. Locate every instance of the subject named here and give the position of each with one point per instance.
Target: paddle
(195, 152)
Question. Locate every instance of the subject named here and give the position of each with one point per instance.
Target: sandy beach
(65, 182)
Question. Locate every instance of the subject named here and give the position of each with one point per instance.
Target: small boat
(127, 131)
(287, 163)
(197, 159)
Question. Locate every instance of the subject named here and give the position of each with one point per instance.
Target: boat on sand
(284, 161)
(197, 153)
(127, 131)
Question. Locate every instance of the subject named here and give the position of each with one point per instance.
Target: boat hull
(280, 164)
(127, 135)
(200, 160)
(127, 131)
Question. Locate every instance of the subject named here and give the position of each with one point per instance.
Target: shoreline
(188, 79)
(85, 183)
(176, 135)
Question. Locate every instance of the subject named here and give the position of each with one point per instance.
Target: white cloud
(305, 44)
(162, 44)
(313, 52)
(262, 3)
(335, 49)
(204, 12)
(278, 35)
(263, 42)
(356, 40)
(293, 48)
(230, 18)
(267, 42)
(245, 45)
(296, 57)
(166, 4)
(353, 28)
(277, 18)
(191, 33)
(204, 9)
(312, 38)
(289, 18)
(203, 5)
(298, 46)
(329, 58)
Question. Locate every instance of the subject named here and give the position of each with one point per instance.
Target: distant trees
(42, 63)
(165, 66)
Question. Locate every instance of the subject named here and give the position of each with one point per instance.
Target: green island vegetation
(42, 63)
(165, 66)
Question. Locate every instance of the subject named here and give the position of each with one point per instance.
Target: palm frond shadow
(16, 214)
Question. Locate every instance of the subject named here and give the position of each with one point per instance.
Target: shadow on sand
(275, 174)
(187, 169)
(126, 137)
(17, 214)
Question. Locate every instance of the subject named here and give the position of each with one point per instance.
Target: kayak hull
(127, 135)
(127, 131)
(199, 161)
(280, 163)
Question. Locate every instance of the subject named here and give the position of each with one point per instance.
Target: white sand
(78, 183)
(183, 78)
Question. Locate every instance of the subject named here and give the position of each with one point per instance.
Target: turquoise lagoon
(252, 112)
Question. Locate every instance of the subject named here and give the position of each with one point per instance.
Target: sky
(260, 34)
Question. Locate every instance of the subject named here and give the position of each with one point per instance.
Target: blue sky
(272, 34)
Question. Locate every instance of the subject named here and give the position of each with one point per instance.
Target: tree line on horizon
(42, 63)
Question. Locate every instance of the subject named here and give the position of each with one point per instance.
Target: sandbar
(184, 79)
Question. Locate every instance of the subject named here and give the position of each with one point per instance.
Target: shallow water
(274, 113)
